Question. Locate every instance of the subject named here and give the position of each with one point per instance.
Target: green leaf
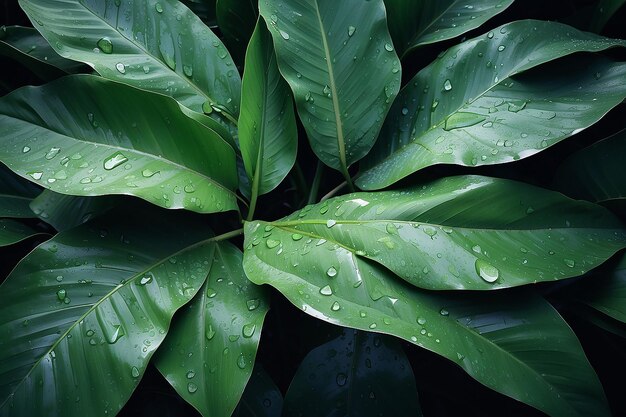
(606, 292)
(596, 172)
(28, 47)
(467, 108)
(338, 58)
(237, 20)
(415, 23)
(85, 311)
(65, 212)
(108, 138)
(516, 345)
(261, 398)
(156, 46)
(605, 9)
(356, 374)
(469, 232)
(12, 231)
(209, 355)
(268, 135)
(15, 195)
(204, 9)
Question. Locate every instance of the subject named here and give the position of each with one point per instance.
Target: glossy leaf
(469, 232)
(605, 9)
(12, 231)
(467, 108)
(85, 311)
(339, 60)
(268, 135)
(356, 374)
(28, 47)
(261, 398)
(108, 138)
(518, 346)
(237, 20)
(596, 172)
(157, 46)
(209, 355)
(65, 212)
(414, 23)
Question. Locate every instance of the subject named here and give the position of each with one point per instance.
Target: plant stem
(346, 175)
(315, 187)
(228, 235)
(253, 198)
(334, 191)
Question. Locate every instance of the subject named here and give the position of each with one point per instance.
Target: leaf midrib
(333, 91)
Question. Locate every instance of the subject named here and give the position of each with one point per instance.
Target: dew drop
(121, 68)
(105, 45)
(351, 30)
(114, 161)
(341, 379)
(570, 263)
(248, 330)
(158, 7)
(486, 271)
(332, 272)
(447, 85)
(326, 290)
(191, 387)
(463, 119)
(241, 362)
(134, 372)
(284, 35)
(335, 306)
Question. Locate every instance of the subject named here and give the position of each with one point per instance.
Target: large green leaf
(28, 47)
(356, 374)
(157, 46)
(209, 354)
(466, 109)
(268, 135)
(595, 173)
(339, 60)
(67, 211)
(414, 23)
(237, 20)
(108, 138)
(468, 232)
(12, 231)
(513, 344)
(85, 311)
(605, 9)
(261, 398)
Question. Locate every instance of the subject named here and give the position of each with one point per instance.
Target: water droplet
(158, 7)
(105, 45)
(89, 333)
(434, 105)
(241, 361)
(490, 35)
(421, 321)
(516, 105)
(207, 108)
(296, 236)
(248, 330)
(146, 279)
(570, 263)
(444, 312)
(373, 326)
(210, 292)
(191, 387)
(463, 119)
(332, 272)
(486, 271)
(121, 68)
(210, 332)
(447, 85)
(335, 306)
(26, 149)
(36, 175)
(477, 248)
(252, 304)
(284, 35)
(190, 374)
(329, 223)
(351, 30)
(341, 379)
(188, 70)
(405, 111)
(114, 160)
(326, 290)
(388, 47)
(501, 48)
(134, 372)
(272, 243)
(61, 294)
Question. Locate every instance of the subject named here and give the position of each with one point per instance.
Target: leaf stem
(334, 191)
(227, 235)
(253, 199)
(315, 187)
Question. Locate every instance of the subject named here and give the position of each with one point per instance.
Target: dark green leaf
(209, 355)
(65, 212)
(468, 232)
(12, 231)
(204, 9)
(157, 46)
(338, 58)
(237, 19)
(108, 138)
(604, 10)
(466, 109)
(518, 346)
(85, 311)
(356, 374)
(261, 398)
(267, 125)
(28, 47)
(414, 23)
(595, 173)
